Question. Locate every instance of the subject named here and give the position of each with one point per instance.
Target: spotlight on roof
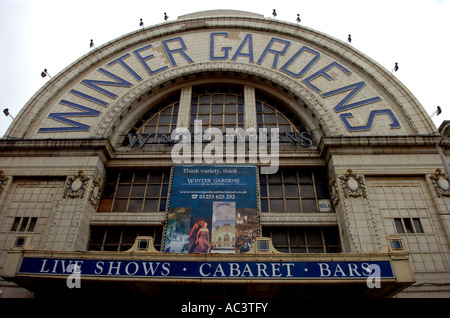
(45, 73)
(298, 18)
(92, 44)
(141, 24)
(7, 113)
(274, 13)
(165, 17)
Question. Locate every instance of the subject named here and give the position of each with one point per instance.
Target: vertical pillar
(249, 108)
(184, 110)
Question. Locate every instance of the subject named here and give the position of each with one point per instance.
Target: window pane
(263, 190)
(15, 224)
(314, 237)
(279, 237)
(151, 205)
(399, 226)
(309, 205)
(307, 190)
(135, 205)
(123, 190)
(264, 206)
(417, 225)
(276, 206)
(120, 205)
(138, 191)
(32, 224)
(408, 225)
(291, 190)
(23, 226)
(126, 177)
(275, 190)
(293, 206)
(153, 190)
(290, 177)
(297, 237)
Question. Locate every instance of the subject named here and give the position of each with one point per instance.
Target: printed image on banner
(213, 209)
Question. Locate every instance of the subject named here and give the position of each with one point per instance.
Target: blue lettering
(120, 82)
(276, 53)
(180, 50)
(284, 68)
(223, 49)
(355, 89)
(323, 73)
(88, 97)
(76, 125)
(126, 66)
(248, 38)
(368, 126)
(148, 57)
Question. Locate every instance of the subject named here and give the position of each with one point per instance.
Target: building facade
(225, 154)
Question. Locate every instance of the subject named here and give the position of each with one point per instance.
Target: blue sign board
(212, 209)
(205, 269)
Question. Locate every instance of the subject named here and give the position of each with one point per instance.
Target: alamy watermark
(241, 146)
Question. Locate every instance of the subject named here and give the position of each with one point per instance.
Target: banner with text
(212, 209)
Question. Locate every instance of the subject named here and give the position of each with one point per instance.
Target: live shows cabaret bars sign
(214, 270)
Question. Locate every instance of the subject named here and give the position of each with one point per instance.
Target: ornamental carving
(334, 191)
(353, 185)
(3, 181)
(440, 183)
(96, 192)
(76, 185)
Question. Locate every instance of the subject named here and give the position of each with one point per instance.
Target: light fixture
(141, 24)
(165, 17)
(45, 73)
(7, 113)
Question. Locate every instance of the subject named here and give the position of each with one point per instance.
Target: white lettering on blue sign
(177, 50)
(216, 270)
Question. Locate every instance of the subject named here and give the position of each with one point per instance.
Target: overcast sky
(51, 34)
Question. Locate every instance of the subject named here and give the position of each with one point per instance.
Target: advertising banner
(212, 209)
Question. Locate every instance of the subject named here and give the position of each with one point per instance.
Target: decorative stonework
(334, 191)
(441, 183)
(3, 181)
(96, 192)
(76, 185)
(353, 185)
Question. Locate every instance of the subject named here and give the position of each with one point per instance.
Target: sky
(52, 34)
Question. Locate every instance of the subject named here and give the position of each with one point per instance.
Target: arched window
(218, 107)
(270, 113)
(161, 119)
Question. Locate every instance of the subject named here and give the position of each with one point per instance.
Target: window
(161, 119)
(119, 239)
(408, 225)
(218, 107)
(270, 113)
(24, 224)
(293, 190)
(304, 240)
(136, 191)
